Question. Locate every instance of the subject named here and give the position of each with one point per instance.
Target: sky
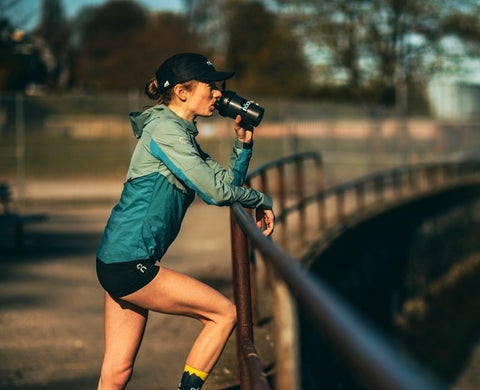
(25, 13)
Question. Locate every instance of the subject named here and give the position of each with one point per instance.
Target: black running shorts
(121, 279)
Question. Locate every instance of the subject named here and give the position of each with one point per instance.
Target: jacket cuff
(267, 203)
(243, 145)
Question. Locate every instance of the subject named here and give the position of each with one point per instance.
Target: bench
(12, 223)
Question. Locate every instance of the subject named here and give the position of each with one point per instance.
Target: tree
(387, 43)
(21, 57)
(120, 45)
(253, 41)
(54, 31)
(105, 35)
(266, 58)
(207, 18)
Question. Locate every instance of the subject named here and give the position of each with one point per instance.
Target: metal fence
(74, 135)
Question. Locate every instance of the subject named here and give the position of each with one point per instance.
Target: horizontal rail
(369, 192)
(283, 161)
(299, 161)
(385, 186)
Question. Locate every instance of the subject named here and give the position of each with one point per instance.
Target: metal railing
(300, 162)
(375, 362)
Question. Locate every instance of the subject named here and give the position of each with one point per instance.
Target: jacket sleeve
(215, 185)
(238, 166)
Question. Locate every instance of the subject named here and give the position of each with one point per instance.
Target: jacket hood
(139, 119)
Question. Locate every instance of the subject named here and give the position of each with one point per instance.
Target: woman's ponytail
(151, 89)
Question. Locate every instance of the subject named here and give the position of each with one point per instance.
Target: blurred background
(370, 83)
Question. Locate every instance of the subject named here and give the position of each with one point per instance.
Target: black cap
(187, 66)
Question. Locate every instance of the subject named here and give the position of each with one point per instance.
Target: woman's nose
(217, 93)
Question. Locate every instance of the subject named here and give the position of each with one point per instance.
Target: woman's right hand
(265, 218)
(244, 132)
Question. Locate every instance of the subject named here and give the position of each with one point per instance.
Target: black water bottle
(230, 105)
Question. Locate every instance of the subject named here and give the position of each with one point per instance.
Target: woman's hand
(265, 218)
(244, 132)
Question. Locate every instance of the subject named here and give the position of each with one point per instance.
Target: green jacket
(167, 168)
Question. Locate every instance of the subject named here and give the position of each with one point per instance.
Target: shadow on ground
(51, 306)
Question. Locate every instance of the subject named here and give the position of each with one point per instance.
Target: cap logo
(166, 84)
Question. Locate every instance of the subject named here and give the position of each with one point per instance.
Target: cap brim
(215, 76)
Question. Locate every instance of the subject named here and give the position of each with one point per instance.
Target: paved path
(51, 304)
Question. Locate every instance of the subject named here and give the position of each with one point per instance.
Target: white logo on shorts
(141, 268)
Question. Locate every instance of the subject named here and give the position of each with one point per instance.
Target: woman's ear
(180, 91)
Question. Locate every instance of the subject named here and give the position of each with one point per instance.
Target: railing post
(257, 378)
(441, 174)
(360, 195)
(410, 180)
(319, 189)
(282, 205)
(340, 201)
(379, 188)
(263, 182)
(20, 143)
(242, 295)
(300, 190)
(396, 185)
(287, 373)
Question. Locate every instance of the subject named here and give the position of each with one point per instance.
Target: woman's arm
(239, 159)
(172, 146)
(238, 166)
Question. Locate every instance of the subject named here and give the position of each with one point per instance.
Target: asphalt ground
(51, 305)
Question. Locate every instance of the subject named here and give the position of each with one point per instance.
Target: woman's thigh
(172, 292)
(124, 329)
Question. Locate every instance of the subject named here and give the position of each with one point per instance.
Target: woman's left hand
(244, 132)
(265, 218)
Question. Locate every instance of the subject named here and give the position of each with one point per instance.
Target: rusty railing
(375, 362)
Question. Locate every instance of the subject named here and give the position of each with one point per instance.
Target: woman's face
(202, 98)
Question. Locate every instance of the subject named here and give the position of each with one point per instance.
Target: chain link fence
(87, 137)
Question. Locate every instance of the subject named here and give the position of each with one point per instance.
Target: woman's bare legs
(124, 327)
(175, 293)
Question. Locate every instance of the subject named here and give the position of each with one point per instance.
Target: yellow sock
(192, 378)
(202, 375)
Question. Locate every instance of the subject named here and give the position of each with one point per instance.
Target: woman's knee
(224, 318)
(115, 377)
(230, 315)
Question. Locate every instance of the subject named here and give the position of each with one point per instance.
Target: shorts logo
(141, 268)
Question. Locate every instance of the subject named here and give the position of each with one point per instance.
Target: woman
(166, 170)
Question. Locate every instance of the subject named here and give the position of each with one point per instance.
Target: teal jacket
(166, 170)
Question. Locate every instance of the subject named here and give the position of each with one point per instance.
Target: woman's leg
(124, 329)
(175, 293)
